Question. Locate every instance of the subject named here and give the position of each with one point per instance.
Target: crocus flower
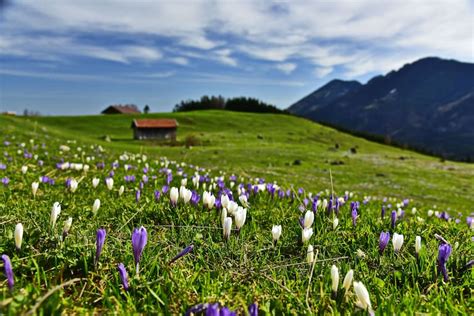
(8, 271)
(182, 253)
(383, 241)
(308, 219)
(310, 254)
(24, 169)
(95, 182)
(5, 181)
(306, 234)
(55, 211)
(227, 227)
(224, 200)
(109, 182)
(354, 216)
(157, 194)
(276, 233)
(382, 213)
(397, 241)
(470, 222)
(394, 219)
(95, 206)
(123, 276)
(334, 279)
(137, 195)
(18, 235)
(67, 227)
(363, 299)
(121, 189)
(139, 240)
(417, 245)
(174, 195)
(99, 243)
(348, 280)
(34, 188)
(73, 185)
(240, 216)
(253, 309)
(444, 251)
(335, 222)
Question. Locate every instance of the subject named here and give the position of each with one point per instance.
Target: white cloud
(286, 68)
(360, 36)
(323, 71)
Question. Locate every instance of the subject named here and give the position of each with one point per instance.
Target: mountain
(427, 105)
(325, 95)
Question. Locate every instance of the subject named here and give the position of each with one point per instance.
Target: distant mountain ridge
(427, 105)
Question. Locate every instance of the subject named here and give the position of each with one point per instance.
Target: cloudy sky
(76, 57)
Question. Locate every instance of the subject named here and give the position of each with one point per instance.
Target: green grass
(248, 268)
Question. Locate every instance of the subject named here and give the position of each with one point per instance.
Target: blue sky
(77, 57)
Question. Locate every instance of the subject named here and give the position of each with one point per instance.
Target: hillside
(428, 105)
(290, 149)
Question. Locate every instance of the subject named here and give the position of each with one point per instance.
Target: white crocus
(55, 211)
(121, 189)
(310, 254)
(67, 226)
(243, 200)
(223, 216)
(232, 207)
(34, 188)
(306, 234)
(95, 206)
(397, 241)
(95, 182)
(187, 195)
(184, 182)
(417, 244)
(363, 299)
(109, 182)
(73, 185)
(24, 169)
(240, 216)
(18, 235)
(308, 219)
(324, 205)
(335, 222)
(174, 195)
(276, 233)
(334, 278)
(348, 280)
(224, 200)
(208, 199)
(227, 227)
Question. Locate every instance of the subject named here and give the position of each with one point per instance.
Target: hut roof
(155, 123)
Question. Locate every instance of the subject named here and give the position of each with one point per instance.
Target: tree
(146, 109)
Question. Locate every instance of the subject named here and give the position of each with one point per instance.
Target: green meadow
(234, 154)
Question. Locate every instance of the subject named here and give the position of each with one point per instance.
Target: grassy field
(268, 145)
(55, 274)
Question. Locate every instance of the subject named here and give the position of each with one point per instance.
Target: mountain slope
(427, 104)
(324, 96)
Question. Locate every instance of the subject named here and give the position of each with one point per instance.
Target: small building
(161, 129)
(122, 109)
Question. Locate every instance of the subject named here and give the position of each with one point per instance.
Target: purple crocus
(253, 309)
(137, 195)
(393, 219)
(183, 252)
(139, 240)
(354, 216)
(123, 276)
(157, 195)
(444, 251)
(99, 243)
(8, 271)
(470, 221)
(164, 189)
(5, 181)
(383, 241)
(382, 213)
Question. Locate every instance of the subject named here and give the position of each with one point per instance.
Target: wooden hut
(160, 129)
(121, 109)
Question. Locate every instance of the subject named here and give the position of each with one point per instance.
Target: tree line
(239, 104)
